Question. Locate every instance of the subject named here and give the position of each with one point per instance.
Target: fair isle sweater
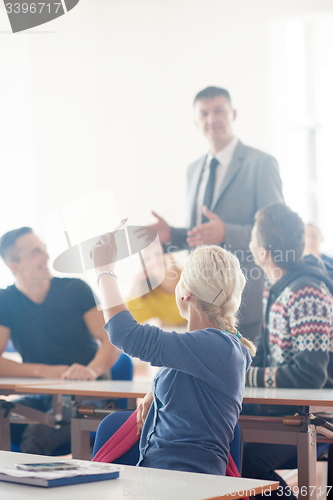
(296, 346)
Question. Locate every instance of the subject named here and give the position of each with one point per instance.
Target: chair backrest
(236, 447)
(123, 369)
(107, 428)
(112, 422)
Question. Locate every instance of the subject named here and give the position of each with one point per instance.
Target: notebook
(86, 473)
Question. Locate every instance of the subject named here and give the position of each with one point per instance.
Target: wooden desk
(91, 388)
(264, 430)
(10, 385)
(255, 430)
(299, 397)
(136, 482)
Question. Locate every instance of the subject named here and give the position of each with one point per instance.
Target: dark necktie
(208, 198)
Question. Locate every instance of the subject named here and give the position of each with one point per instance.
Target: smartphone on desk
(47, 466)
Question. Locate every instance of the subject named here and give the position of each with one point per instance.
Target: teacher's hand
(162, 228)
(208, 233)
(104, 253)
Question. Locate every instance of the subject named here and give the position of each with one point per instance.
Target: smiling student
(54, 325)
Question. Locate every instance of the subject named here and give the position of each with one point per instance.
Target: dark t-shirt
(53, 332)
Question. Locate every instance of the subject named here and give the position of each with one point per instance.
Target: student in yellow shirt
(160, 302)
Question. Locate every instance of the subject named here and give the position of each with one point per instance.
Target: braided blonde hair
(213, 275)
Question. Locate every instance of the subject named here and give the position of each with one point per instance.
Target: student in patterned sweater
(295, 349)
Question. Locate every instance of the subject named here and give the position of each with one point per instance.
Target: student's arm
(106, 356)
(138, 306)
(307, 369)
(141, 309)
(9, 368)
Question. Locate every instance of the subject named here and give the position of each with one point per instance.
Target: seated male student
(295, 349)
(54, 325)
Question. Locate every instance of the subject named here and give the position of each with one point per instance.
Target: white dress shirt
(224, 157)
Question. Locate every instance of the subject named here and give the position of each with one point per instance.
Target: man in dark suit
(226, 187)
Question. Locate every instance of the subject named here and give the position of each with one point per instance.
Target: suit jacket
(252, 181)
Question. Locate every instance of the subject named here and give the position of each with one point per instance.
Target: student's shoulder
(218, 336)
(303, 290)
(7, 293)
(231, 345)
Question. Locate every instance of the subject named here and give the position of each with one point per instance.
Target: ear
(264, 254)
(187, 296)
(234, 112)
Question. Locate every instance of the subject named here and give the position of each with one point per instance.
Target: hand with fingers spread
(142, 410)
(104, 253)
(209, 233)
(162, 227)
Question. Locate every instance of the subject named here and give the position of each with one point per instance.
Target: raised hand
(104, 253)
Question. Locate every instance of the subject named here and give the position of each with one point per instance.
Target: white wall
(102, 97)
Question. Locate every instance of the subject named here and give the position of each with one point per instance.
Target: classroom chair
(122, 370)
(112, 422)
(109, 425)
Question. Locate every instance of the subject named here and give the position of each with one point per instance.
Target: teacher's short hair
(211, 92)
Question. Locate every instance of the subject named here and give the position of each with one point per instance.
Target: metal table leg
(307, 458)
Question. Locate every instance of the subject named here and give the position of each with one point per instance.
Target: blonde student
(197, 395)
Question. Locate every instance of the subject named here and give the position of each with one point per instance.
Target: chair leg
(330, 472)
